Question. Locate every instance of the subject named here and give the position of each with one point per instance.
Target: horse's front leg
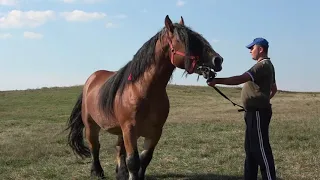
(121, 168)
(147, 153)
(130, 143)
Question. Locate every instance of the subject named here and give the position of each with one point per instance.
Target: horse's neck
(159, 74)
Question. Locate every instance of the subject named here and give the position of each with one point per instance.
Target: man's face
(255, 52)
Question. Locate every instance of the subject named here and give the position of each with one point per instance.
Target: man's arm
(274, 90)
(251, 75)
(234, 80)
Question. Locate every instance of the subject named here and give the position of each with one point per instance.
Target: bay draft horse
(132, 102)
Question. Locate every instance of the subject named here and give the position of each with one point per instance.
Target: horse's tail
(75, 124)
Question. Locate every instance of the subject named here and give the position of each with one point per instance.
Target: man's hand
(274, 90)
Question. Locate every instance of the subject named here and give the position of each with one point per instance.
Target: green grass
(202, 139)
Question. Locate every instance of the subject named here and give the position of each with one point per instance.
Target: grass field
(202, 139)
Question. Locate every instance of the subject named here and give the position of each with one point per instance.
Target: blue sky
(61, 42)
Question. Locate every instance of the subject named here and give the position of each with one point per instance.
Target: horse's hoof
(99, 175)
(122, 175)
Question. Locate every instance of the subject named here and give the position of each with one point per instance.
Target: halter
(174, 52)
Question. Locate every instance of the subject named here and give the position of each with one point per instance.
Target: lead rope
(234, 104)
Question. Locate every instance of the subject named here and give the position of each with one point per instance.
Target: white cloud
(8, 2)
(111, 25)
(180, 3)
(19, 19)
(32, 35)
(78, 15)
(5, 35)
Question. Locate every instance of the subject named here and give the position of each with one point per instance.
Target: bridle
(174, 52)
(194, 61)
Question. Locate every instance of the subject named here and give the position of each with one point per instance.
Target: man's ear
(262, 49)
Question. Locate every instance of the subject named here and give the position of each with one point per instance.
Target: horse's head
(191, 51)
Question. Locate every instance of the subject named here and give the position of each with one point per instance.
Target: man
(260, 86)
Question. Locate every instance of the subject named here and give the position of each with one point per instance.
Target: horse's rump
(91, 94)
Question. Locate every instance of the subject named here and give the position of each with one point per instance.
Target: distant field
(203, 138)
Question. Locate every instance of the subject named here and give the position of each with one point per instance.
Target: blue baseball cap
(258, 41)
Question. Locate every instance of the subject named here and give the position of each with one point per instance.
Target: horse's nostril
(217, 61)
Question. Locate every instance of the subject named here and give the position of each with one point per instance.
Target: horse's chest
(153, 111)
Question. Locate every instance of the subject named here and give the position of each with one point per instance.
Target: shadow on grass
(196, 177)
(193, 177)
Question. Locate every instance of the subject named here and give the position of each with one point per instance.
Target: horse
(132, 102)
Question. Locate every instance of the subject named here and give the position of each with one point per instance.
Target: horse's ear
(168, 24)
(181, 21)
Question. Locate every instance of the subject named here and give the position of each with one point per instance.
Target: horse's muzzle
(217, 63)
(206, 72)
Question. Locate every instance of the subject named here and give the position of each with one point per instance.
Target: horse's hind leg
(147, 153)
(121, 168)
(92, 135)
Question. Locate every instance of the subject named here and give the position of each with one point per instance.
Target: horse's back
(91, 96)
(97, 79)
